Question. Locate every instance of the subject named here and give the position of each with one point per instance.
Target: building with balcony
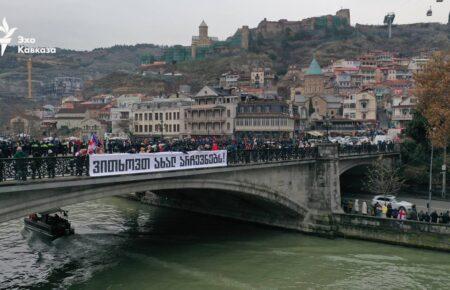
(120, 115)
(402, 110)
(212, 113)
(361, 107)
(265, 118)
(162, 117)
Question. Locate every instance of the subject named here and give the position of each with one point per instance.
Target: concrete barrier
(393, 231)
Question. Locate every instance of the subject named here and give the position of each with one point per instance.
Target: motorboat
(52, 223)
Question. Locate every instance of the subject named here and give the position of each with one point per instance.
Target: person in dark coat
(51, 163)
(21, 164)
(36, 165)
(434, 217)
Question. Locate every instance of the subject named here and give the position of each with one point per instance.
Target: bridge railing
(42, 167)
(51, 167)
(349, 150)
(242, 157)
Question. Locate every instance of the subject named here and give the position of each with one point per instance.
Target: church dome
(314, 68)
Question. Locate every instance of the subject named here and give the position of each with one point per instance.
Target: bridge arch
(346, 165)
(43, 201)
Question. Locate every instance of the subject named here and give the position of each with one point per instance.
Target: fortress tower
(344, 14)
(245, 34)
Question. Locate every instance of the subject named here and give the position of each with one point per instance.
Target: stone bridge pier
(298, 195)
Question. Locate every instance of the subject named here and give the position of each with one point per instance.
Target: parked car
(390, 199)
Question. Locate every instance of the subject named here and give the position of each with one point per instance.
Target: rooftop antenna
(388, 20)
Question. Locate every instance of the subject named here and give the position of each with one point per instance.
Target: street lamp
(430, 186)
(162, 128)
(327, 124)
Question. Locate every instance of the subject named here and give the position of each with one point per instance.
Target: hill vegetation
(115, 69)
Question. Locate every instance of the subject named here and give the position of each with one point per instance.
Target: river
(122, 244)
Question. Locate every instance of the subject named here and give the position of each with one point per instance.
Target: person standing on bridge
(21, 164)
(51, 163)
(364, 208)
(356, 207)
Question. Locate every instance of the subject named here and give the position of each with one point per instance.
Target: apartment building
(212, 113)
(162, 117)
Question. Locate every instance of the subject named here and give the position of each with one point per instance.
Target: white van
(381, 138)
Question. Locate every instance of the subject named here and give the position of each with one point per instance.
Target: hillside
(114, 69)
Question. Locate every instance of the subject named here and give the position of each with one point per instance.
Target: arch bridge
(294, 189)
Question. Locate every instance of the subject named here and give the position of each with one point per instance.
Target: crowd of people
(72, 147)
(58, 147)
(14, 153)
(387, 211)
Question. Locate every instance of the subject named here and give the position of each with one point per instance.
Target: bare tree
(383, 179)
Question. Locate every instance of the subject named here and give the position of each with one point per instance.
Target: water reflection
(121, 244)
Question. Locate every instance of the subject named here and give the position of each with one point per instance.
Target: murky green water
(122, 244)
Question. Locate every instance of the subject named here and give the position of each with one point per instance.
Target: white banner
(124, 163)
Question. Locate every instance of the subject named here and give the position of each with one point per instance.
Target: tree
(417, 128)
(433, 93)
(383, 179)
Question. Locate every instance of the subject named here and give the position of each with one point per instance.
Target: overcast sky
(87, 24)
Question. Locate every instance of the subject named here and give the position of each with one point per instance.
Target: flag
(92, 145)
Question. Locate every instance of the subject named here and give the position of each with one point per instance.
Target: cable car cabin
(430, 12)
(439, 0)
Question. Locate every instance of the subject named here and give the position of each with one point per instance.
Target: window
(140, 117)
(136, 117)
(167, 116)
(156, 116)
(145, 128)
(124, 115)
(140, 127)
(178, 127)
(150, 129)
(228, 113)
(161, 116)
(145, 116)
(150, 116)
(136, 128)
(228, 126)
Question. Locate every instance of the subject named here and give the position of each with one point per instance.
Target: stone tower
(203, 30)
(245, 34)
(344, 14)
(314, 80)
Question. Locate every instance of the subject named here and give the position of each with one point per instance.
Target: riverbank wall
(392, 231)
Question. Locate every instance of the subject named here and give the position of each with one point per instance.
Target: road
(421, 203)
